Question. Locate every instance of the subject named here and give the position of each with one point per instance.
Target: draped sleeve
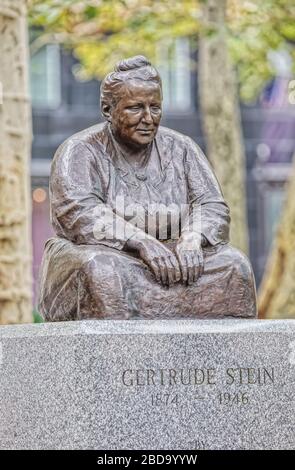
(78, 187)
(207, 208)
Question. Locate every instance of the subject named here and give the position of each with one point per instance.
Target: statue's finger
(197, 267)
(183, 267)
(163, 270)
(170, 271)
(190, 268)
(201, 262)
(176, 267)
(180, 264)
(155, 268)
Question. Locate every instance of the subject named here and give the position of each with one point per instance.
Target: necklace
(140, 173)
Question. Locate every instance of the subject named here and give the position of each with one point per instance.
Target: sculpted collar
(163, 146)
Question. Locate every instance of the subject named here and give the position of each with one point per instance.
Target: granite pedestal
(221, 384)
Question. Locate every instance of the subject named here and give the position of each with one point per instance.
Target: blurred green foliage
(37, 317)
(101, 32)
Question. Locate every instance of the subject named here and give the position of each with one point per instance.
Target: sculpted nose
(147, 117)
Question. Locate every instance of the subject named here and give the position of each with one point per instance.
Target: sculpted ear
(106, 111)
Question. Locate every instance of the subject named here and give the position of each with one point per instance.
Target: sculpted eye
(134, 108)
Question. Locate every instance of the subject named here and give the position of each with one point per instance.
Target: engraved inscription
(170, 377)
(238, 398)
(201, 381)
(249, 376)
(165, 399)
(198, 376)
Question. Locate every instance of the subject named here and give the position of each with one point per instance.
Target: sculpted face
(136, 117)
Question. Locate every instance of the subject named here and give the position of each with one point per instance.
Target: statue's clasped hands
(185, 265)
(190, 256)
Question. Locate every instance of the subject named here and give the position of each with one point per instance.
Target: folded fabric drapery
(86, 272)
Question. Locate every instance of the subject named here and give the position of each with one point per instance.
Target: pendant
(141, 176)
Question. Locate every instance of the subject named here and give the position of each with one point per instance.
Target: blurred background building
(63, 105)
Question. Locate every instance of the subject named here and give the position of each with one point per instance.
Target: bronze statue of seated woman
(142, 227)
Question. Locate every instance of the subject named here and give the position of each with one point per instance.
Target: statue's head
(131, 100)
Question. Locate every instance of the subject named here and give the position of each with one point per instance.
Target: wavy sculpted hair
(134, 68)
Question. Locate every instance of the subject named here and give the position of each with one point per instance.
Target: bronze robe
(85, 271)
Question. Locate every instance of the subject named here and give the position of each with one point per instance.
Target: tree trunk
(221, 116)
(277, 291)
(15, 143)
